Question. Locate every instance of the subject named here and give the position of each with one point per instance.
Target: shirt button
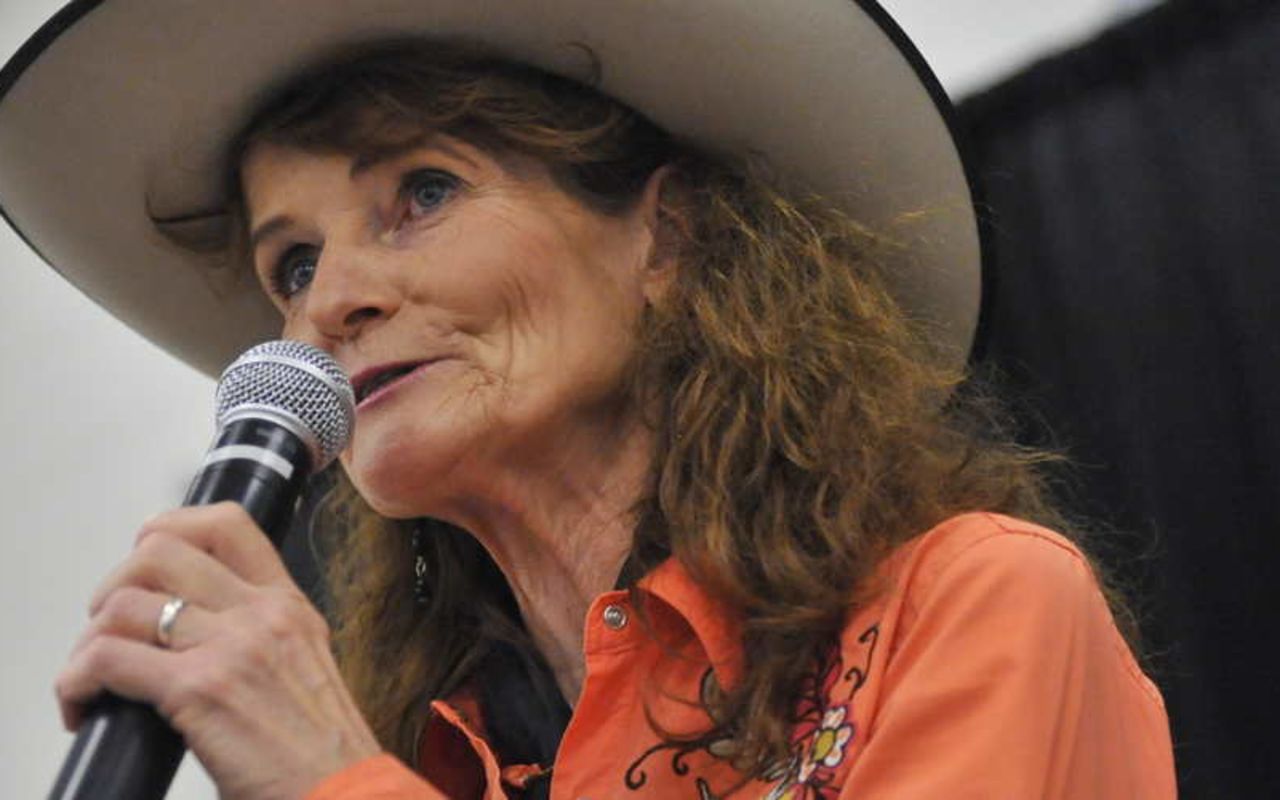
(615, 617)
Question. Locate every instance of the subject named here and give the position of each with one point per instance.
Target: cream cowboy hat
(114, 117)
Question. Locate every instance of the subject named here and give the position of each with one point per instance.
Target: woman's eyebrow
(361, 164)
(268, 229)
(367, 161)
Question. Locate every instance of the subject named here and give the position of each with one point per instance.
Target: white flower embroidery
(827, 746)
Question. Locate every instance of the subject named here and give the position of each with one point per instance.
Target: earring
(421, 594)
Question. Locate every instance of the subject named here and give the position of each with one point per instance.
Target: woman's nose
(348, 294)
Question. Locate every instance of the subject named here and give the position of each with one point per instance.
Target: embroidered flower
(824, 730)
(826, 746)
(819, 747)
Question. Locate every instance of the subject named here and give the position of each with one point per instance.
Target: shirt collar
(717, 626)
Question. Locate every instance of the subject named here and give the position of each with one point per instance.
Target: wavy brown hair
(799, 421)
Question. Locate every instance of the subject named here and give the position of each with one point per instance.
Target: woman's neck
(560, 533)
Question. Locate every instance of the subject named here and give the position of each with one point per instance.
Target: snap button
(615, 617)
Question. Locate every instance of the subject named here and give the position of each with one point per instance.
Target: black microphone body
(285, 409)
(265, 492)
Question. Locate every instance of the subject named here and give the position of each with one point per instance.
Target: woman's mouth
(372, 383)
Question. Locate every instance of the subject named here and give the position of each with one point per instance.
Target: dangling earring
(420, 592)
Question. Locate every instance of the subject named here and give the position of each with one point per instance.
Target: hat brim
(114, 118)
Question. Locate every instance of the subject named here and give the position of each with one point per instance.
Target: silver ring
(168, 616)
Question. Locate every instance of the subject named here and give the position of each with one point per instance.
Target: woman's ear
(663, 205)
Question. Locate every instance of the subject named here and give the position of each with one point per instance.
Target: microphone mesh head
(291, 382)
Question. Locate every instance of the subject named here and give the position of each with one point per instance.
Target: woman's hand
(247, 678)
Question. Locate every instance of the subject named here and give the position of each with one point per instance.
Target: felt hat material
(114, 118)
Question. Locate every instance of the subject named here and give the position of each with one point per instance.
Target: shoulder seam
(1006, 526)
(1003, 528)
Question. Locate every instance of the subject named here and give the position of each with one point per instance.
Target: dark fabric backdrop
(1133, 204)
(1133, 199)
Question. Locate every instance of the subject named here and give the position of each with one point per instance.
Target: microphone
(284, 410)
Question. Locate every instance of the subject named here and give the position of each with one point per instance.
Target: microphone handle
(124, 750)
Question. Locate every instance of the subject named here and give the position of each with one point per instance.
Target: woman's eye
(425, 190)
(294, 270)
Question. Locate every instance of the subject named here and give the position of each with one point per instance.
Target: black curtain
(1132, 198)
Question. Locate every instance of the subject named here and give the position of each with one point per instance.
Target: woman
(654, 489)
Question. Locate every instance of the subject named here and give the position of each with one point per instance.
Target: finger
(133, 613)
(126, 668)
(227, 532)
(169, 565)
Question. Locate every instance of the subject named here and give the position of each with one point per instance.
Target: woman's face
(486, 317)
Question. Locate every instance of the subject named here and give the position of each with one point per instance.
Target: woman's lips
(386, 386)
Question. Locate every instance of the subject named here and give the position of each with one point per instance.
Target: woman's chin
(399, 482)
(393, 501)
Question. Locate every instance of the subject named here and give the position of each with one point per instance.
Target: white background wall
(99, 428)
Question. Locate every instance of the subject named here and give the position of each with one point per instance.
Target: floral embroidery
(718, 748)
(824, 731)
(823, 750)
(826, 749)
(821, 740)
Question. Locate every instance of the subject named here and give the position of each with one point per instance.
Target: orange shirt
(989, 667)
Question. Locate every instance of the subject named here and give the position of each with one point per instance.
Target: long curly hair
(802, 428)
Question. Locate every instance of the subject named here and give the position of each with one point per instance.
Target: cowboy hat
(114, 118)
